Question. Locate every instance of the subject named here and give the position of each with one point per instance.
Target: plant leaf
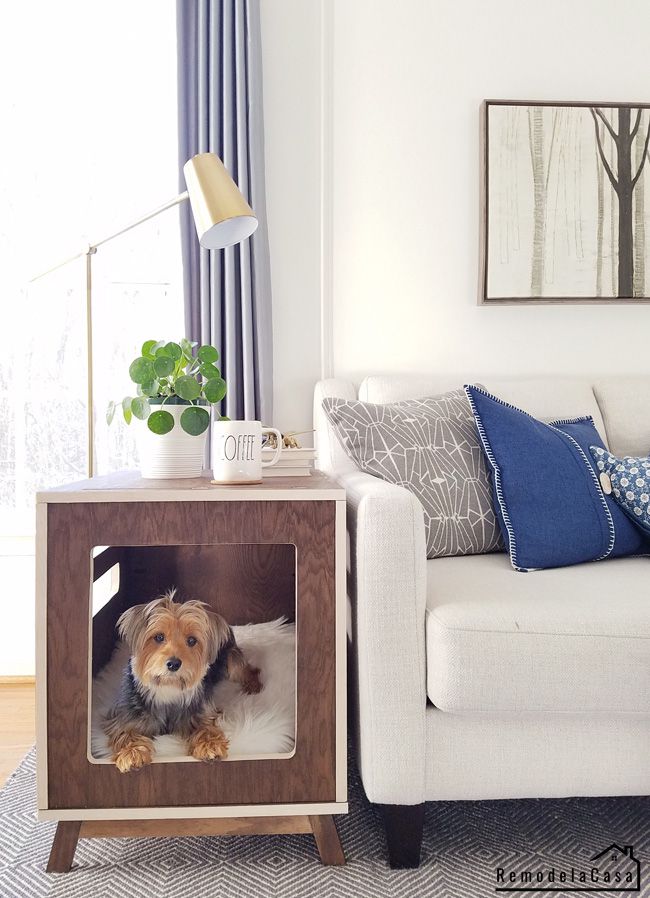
(163, 364)
(160, 422)
(147, 349)
(187, 388)
(141, 408)
(150, 389)
(207, 354)
(214, 390)
(209, 371)
(224, 418)
(186, 346)
(174, 351)
(126, 409)
(141, 371)
(110, 412)
(195, 420)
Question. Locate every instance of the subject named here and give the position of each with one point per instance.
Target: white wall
(291, 71)
(409, 79)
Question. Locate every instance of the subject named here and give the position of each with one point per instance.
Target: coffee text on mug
(239, 448)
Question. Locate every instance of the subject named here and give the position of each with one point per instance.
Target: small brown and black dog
(179, 652)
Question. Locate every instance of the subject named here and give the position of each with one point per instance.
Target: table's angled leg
(327, 839)
(63, 846)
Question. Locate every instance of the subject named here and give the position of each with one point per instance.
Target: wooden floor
(16, 726)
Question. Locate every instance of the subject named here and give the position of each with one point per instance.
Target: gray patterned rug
(464, 844)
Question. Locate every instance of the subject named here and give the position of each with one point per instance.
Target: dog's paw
(132, 757)
(251, 683)
(208, 745)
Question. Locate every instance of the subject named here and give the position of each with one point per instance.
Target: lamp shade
(221, 214)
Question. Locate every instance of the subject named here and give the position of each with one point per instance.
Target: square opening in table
(253, 589)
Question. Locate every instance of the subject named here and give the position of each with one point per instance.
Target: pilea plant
(171, 374)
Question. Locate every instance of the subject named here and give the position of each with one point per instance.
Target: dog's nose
(174, 663)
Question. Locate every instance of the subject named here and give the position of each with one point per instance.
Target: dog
(179, 652)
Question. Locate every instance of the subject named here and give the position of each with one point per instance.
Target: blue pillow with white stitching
(548, 496)
(629, 478)
(628, 540)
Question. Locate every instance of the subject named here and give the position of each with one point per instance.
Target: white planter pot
(173, 454)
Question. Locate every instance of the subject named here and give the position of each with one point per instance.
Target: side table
(255, 552)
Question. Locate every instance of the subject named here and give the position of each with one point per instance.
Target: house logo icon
(619, 868)
(612, 870)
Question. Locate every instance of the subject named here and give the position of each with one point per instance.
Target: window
(89, 144)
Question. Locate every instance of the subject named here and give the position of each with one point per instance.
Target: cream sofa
(473, 681)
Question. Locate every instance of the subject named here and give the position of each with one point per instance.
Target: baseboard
(17, 681)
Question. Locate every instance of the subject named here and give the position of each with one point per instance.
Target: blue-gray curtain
(227, 292)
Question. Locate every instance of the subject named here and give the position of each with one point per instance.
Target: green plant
(170, 373)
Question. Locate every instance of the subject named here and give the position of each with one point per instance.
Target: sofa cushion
(430, 447)
(547, 398)
(331, 457)
(573, 639)
(625, 406)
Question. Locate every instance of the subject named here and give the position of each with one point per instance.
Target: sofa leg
(403, 824)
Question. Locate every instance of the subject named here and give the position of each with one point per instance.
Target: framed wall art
(564, 212)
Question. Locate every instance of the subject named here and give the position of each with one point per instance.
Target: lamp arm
(134, 224)
(91, 248)
(89, 251)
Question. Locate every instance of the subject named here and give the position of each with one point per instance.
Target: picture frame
(563, 211)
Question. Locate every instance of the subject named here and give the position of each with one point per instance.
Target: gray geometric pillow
(431, 447)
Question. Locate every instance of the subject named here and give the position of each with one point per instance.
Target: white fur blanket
(259, 724)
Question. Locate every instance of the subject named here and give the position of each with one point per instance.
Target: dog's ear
(219, 634)
(132, 624)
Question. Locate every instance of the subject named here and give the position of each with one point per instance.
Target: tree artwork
(624, 183)
(564, 202)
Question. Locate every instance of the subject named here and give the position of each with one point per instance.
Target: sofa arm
(388, 584)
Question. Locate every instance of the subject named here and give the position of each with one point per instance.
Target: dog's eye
(159, 637)
(191, 640)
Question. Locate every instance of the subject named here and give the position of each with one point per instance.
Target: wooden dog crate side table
(253, 551)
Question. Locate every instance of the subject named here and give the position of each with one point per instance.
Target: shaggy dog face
(172, 645)
(179, 652)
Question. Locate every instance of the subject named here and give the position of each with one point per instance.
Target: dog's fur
(154, 699)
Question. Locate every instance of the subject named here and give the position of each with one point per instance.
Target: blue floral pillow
(629, 481)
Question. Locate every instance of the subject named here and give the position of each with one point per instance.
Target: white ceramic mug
(237, 451)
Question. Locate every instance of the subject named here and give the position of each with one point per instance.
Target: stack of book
(292, 463)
